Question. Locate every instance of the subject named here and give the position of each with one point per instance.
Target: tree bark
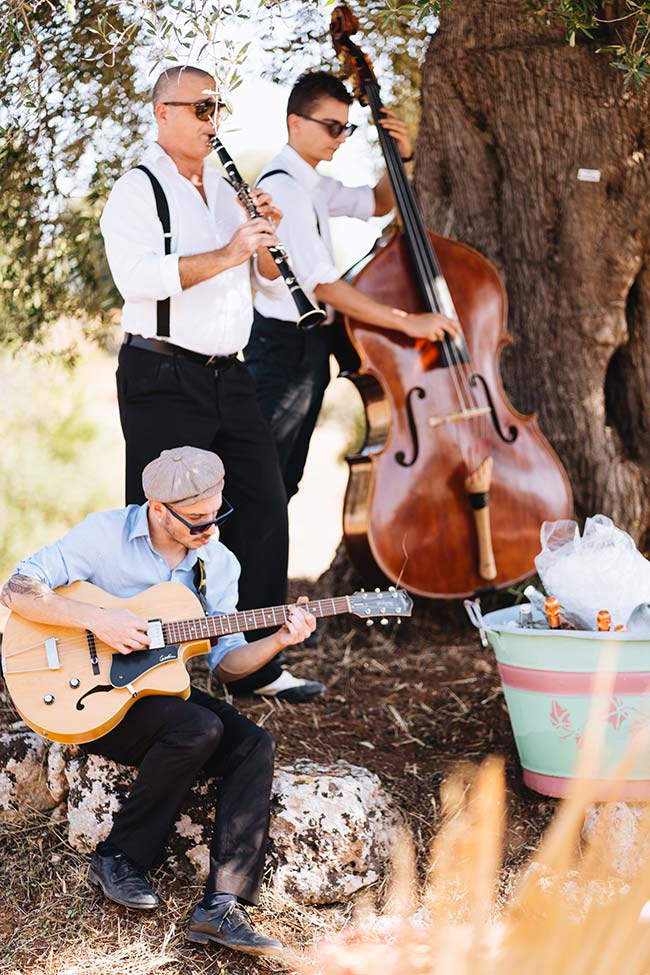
(509, 116)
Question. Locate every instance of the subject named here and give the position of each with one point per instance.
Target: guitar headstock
(354, 63)
(395, 602)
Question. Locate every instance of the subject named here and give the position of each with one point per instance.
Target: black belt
(168, 348)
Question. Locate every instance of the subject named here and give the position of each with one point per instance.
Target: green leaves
(627, 20)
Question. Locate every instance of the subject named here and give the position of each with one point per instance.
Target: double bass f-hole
(475, 378)
(400, 456)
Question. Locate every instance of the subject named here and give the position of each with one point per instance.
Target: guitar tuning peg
(383, 621)
(370, 622)
(362, 590)
(392, 589)
(377, 589)
(399, 620)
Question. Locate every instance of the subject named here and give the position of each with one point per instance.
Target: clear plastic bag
(603, 569)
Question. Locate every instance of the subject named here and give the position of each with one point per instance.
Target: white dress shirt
(213, 317)
(301, 196)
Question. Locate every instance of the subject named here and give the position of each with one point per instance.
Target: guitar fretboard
(206, 627)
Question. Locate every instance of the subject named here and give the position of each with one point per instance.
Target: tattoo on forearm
(22, 585)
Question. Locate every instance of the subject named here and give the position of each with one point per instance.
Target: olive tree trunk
(510, 115)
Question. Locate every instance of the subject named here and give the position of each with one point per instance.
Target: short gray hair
(167, 81)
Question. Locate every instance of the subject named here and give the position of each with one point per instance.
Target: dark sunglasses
(205, 109)
(335, 129)
(224, 512)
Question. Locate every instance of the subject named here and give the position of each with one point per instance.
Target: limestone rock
(625, 829)
(23, 781)
(96, 789)
(57, 756)
(332, 827)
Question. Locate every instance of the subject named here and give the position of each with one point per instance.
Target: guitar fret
(221, 624)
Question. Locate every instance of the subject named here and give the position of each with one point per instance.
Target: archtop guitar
(69, 686)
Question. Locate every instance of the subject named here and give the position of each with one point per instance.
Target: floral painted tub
(547, 679)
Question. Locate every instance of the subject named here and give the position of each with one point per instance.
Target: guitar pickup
(155, 634)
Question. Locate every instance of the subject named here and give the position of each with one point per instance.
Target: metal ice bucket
(548, 680)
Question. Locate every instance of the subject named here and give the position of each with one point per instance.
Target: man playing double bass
(291, 367)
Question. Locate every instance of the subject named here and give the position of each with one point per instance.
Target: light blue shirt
(113, 550)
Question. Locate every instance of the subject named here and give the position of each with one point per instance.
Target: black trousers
(291, 370)
(169, 401)
(173, 742)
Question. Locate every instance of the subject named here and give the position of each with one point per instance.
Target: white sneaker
(286, 687)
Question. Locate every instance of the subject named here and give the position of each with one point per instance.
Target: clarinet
(308, 314)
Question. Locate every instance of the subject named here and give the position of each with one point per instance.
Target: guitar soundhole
(98, 689)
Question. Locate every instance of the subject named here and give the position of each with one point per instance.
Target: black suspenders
(162, 207)
(274, 172)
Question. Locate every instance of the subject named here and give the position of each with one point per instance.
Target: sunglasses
(224, 512)
(335, 129)
(205, 109)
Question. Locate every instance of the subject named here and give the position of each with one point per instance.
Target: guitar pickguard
(126, 668)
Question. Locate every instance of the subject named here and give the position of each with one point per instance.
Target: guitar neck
(209, 627)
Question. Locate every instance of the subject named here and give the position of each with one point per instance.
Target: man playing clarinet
(182, 254)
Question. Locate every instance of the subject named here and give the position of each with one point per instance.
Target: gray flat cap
(183, 475)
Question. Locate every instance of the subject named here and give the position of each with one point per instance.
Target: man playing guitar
(172, 537)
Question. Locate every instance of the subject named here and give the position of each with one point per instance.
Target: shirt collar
(139, 528)
(305, 174)
(156, 155)
(139, 523)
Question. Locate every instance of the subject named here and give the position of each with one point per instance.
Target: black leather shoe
(231, 926)
(122, 881)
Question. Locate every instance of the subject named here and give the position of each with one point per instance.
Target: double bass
(450, 488)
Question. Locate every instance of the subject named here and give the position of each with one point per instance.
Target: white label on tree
(589, 175)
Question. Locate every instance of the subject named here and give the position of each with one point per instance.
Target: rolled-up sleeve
(274, 289)
(133, 237)
(349, 201)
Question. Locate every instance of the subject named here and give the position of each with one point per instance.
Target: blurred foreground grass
(61, 448)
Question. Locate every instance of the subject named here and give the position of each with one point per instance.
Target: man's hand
(249, 238)
(299, 625)
(266, 207)
(120, 629)
(395, 127)
(429, 325)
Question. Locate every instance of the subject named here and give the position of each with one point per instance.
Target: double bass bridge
(458, 417)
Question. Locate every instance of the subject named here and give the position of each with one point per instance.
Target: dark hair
(167, 81)
(312, 86)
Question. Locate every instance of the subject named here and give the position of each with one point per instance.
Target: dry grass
(392, 706)
(565, 914)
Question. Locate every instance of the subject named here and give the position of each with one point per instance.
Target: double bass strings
(428, 269)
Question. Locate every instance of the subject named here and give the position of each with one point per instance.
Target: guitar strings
(338, 605)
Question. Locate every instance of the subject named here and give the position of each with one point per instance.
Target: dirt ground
(409, 702)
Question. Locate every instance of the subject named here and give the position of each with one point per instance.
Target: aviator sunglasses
(225, 510)
(334, 128)
(205, 109)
